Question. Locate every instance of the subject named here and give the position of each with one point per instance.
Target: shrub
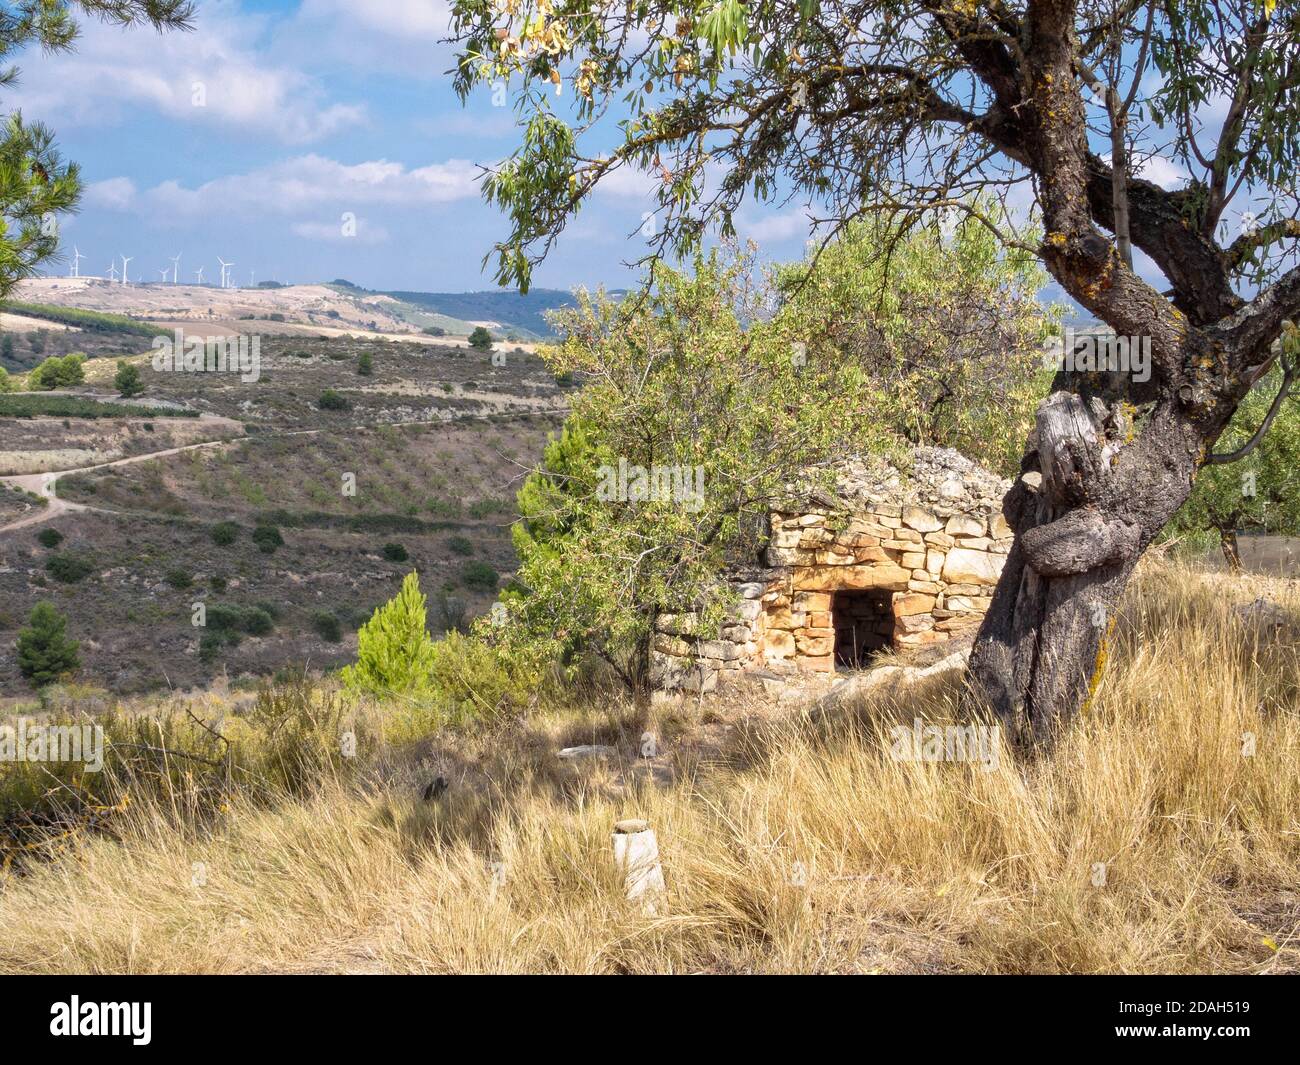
(68, 569)
(179, 579)
(395, 552)
(217, 583)
(44, 650)
(257, 622)
(224, 533)
(267, 538)
(460, 545)
(212, 642)
(223, 619)
(435, 331)
(327, 626)
(394, 651)
(57, 372)
(365, 364)
(480, 576)
(480, 339)
(127, 379)
(331, 400)
(49, 538)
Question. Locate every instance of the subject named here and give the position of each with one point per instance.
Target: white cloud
(383, 36)
(301, 184)
(363, 232)
(214, 74)
(786, 225)
(427, 19)
(115, 194)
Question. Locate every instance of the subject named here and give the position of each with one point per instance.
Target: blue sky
(310, 109)
(255, 136)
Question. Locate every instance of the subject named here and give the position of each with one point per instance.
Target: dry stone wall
(896, 556)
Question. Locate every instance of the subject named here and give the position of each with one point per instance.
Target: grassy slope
(789, 843)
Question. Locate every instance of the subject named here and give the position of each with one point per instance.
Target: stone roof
(935, 478)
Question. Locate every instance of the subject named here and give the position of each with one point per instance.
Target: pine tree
(480, 339)
(127, 380)
(44, 650)
(394, 649)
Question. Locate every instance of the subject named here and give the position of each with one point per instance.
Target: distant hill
(526, 313)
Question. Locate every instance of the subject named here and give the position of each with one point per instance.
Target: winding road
(44, 484)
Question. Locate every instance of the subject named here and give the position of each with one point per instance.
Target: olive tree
(910, 107)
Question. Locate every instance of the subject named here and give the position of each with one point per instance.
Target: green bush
(257, 622)
(480, 339)
(365, 364)
(460, 545)
(224, 533)
(57, 371)
(179, 579)
(217, 583)
(480, 576)
(394, 651)
(331, 400)
(395, 552)
(68, 569)
(267, 538)
(49, 538)
(127, 379)
(44, 650)
(223, 619)
(35, 405)
(327, 626)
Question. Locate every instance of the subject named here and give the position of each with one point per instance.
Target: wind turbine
(199, 274)
(112, 271)
(125, 280)
(176, 269)
(224, 267)
(76, 262)
(163, 274)
(252, 279)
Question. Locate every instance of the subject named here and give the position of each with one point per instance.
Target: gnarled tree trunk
(1082, 518)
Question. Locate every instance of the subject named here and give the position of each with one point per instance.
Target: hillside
(331, 309)
(290, 500)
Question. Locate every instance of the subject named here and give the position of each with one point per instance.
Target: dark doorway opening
(864, 625)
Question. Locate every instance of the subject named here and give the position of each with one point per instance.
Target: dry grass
(799, 844)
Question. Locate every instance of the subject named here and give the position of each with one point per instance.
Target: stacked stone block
(932, 543)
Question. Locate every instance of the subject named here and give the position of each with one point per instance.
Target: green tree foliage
(45, 652)
(394, 649)
(36, 185)
(6, 353)
(58, 371)
(480, 339)
(1260, 492)
(948, 325)
(692, 389)
(127, 379)
(6, 382)
(365, 364)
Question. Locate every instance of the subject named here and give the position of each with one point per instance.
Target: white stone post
(636, 854)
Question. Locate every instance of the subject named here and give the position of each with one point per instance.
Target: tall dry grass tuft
(1163, 834)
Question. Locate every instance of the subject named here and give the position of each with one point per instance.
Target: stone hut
(895, 556)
